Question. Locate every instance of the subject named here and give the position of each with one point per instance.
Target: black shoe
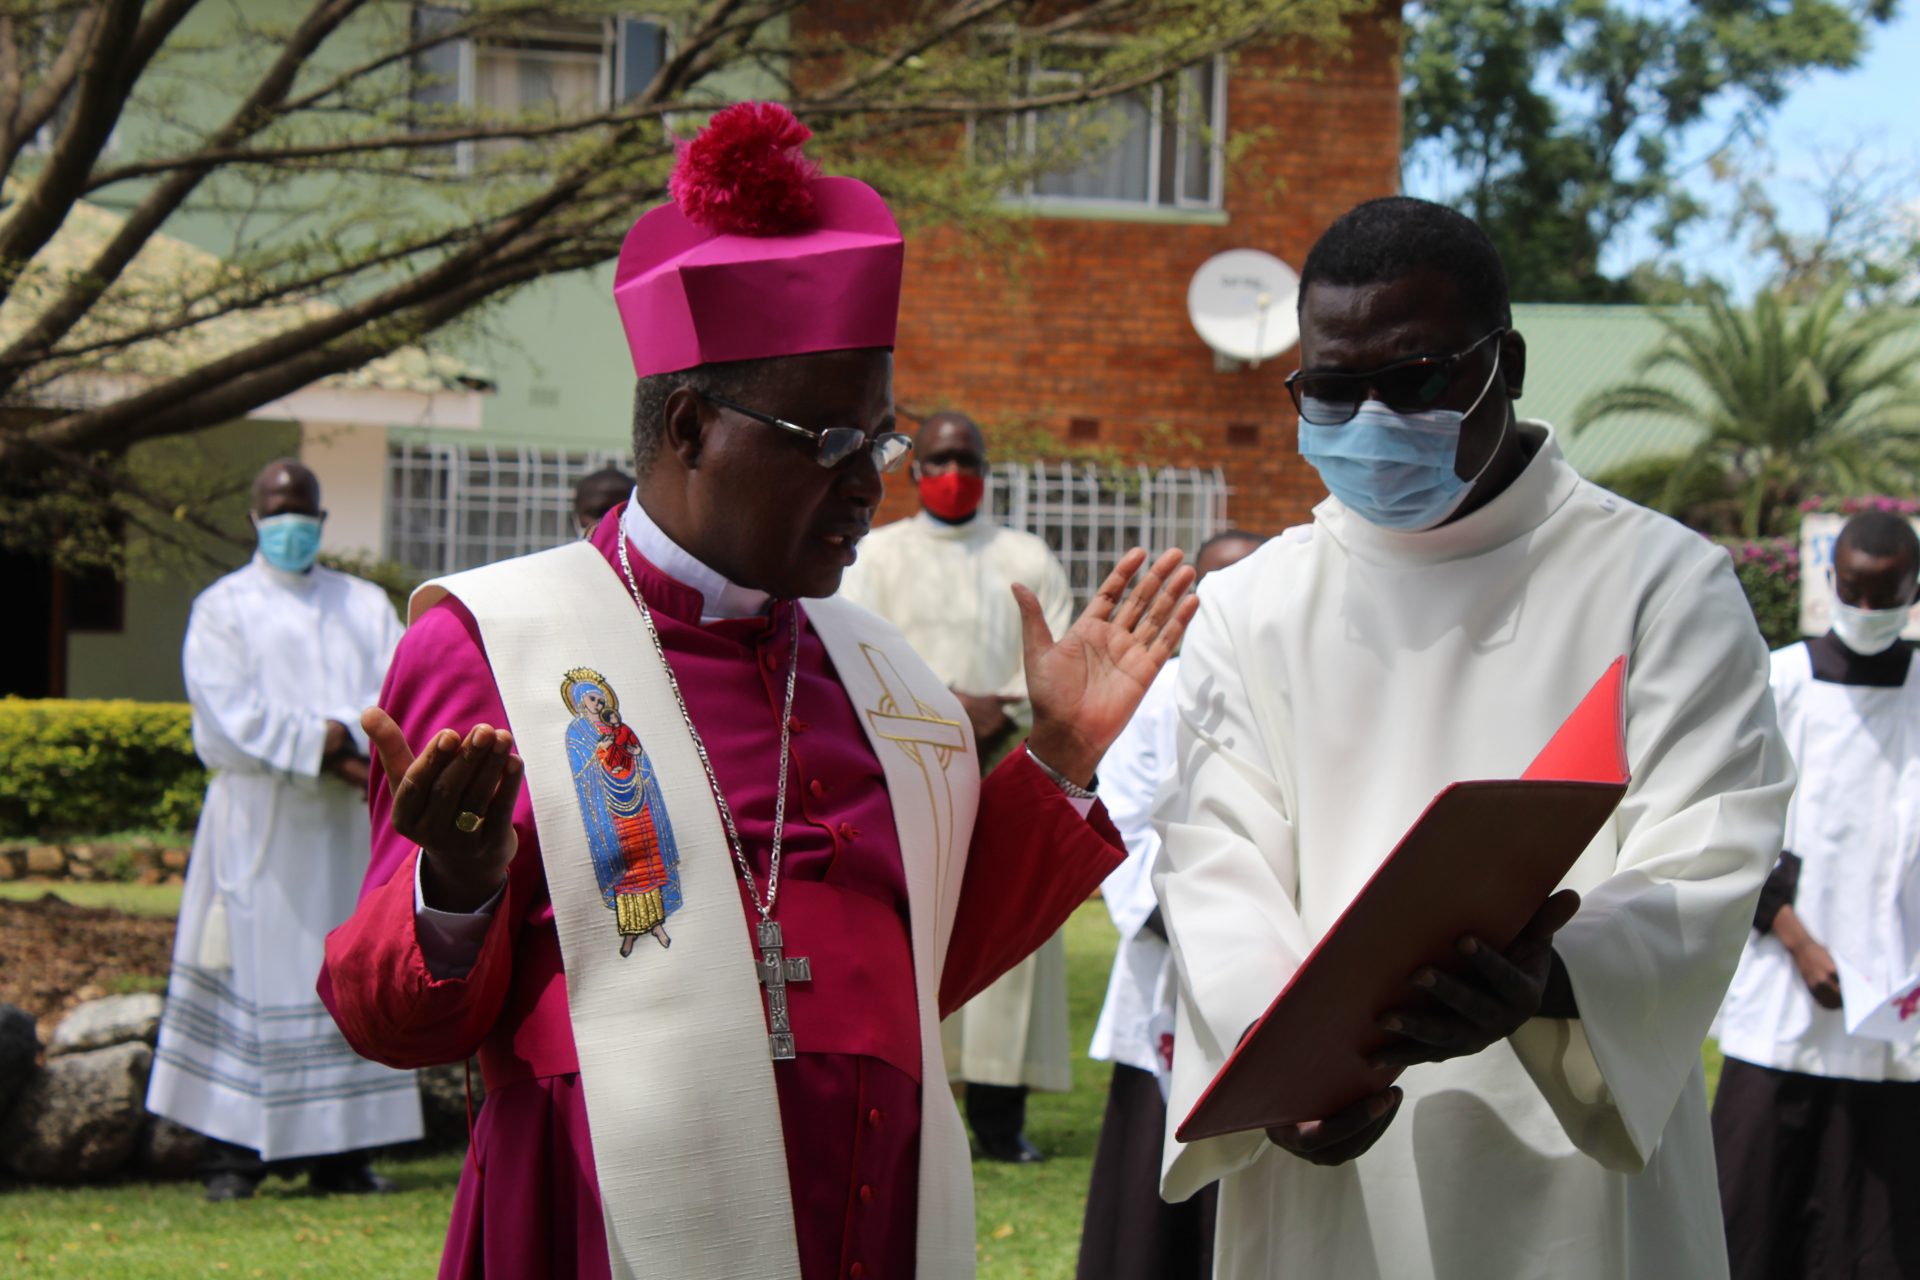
(1014, 1150)
(222, 1187)
(359, 1180)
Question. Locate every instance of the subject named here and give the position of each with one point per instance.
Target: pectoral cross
(776, 971)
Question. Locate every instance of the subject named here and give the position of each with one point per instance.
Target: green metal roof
(1574, 351)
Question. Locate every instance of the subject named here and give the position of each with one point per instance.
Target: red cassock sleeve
(375, 980)
(1033, 860)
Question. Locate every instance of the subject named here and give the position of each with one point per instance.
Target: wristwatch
(1073, 789)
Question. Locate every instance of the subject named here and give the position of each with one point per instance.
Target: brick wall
(1091, 325)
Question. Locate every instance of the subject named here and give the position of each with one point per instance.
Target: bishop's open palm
(1086, 685)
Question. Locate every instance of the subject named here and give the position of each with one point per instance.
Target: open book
(1481, 860)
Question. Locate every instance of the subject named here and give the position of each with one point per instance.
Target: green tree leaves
(1555, 123)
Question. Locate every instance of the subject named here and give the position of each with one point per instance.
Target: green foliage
(1769, 572)
(1789, 402)
(80, 767)
(1559, 116)
(392, 577)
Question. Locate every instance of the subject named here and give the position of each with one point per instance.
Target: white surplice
(247, 1053)
(948, 588)
(1337, 679)
(1855, 825)
(1138, 762)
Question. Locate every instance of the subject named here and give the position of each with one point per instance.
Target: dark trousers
(997, 1112)
(226, 1157)
(1819, 1178)
(1130, 1233)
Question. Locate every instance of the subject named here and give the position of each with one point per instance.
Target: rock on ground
(19, 1047)
(113, 1020)
(169, 1150)
(80, 1118)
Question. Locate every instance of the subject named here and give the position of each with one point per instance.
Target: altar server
(700, 911)
(1446, 609)
(1130, 1233)
(280, 657)
(1818, 1130)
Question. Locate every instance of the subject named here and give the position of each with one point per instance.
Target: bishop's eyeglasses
(834, 445)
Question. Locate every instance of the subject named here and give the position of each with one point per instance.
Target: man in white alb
(943, 578)
(1444, 612)
(1816, 1125)
(281, 655)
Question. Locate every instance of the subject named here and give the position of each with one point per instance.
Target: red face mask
(952, 495)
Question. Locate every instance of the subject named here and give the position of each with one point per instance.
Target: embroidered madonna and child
(628, 833)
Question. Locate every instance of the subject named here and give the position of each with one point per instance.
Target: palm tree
(1795, 403)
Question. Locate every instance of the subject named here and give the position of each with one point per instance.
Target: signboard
(1818, 533)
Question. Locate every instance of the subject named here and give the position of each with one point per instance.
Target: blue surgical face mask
(1396, 470)
(289, 542)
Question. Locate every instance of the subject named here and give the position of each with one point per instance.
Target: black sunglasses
(1405, 386)
(836, 444)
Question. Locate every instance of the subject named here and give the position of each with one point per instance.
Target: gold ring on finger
(468, 821)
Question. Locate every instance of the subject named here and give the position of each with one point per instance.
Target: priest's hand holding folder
(1447, 950)
(1473, 1007)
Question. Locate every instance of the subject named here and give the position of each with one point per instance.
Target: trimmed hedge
(87, 768)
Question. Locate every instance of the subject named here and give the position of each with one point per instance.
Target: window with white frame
(556, 66)
(1091, 515)
(452, 507)
(1160, 147)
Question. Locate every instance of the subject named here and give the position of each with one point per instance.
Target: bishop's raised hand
(436, 797)
(1086, 685)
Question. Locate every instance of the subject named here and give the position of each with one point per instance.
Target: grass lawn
(1029, 1216)
(134, 899)
(155, 1231)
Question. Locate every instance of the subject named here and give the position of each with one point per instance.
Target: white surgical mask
(1866, 631)
(1396, 470)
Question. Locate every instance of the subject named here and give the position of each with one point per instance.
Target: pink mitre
(757, 255)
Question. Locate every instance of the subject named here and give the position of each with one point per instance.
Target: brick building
(1087, 337)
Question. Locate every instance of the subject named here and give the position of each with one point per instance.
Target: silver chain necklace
(776, 969)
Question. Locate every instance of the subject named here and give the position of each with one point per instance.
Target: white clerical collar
(301, 582)
(948, 531)
(1537, 492)
(718, 597)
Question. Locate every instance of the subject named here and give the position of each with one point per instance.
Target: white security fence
(451, 507)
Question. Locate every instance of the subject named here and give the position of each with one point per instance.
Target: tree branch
(146, 218)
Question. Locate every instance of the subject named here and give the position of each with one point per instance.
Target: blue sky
(1876, 107)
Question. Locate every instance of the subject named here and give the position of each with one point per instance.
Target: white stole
(672, 1042)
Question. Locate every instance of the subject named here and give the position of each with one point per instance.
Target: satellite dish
(1242, 305)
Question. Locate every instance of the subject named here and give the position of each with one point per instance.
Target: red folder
(1481, 860)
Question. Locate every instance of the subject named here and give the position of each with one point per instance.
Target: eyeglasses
(836, 444)
(1405, 386)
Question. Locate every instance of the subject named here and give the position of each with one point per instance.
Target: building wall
(1090, 324)
(351, 465)
(142, 659)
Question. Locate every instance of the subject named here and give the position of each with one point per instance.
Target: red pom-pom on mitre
(744, 174)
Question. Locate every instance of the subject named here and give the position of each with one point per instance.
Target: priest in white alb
(280, 656)
(945, 578)
(1446, 609)
(693, 856)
